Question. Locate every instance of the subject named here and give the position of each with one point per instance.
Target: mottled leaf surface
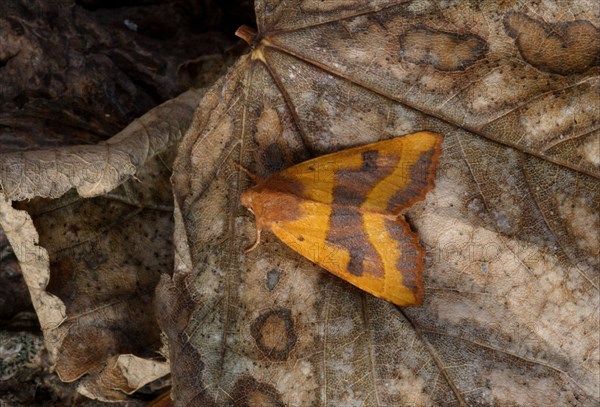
(511, 285)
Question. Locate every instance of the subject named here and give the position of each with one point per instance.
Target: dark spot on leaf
(274, 333)
(274, 158)
(273, 278)
(445, 51)
(564, 48)
(248, 392)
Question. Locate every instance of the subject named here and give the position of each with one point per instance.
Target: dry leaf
(511, 288)
(97, 230)
(92, 228)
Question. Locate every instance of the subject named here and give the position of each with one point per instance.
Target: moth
(344, 212)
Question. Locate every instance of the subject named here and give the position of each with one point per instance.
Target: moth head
(247, 199)
(251, 200)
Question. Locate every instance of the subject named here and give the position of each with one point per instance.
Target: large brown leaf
(511, 285)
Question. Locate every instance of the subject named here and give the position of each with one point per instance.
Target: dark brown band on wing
(410, 261)
(345, 225)
(422, 174)
(352, 186)
(346, 232)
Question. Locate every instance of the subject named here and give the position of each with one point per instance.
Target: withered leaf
(92, 223)
(511, 288)
(91, 227)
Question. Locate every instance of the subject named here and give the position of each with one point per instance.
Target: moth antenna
(255, 178)
(248, 250)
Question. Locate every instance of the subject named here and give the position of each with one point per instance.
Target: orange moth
(343, 211)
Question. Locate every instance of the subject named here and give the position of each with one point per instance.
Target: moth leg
(248, 250)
